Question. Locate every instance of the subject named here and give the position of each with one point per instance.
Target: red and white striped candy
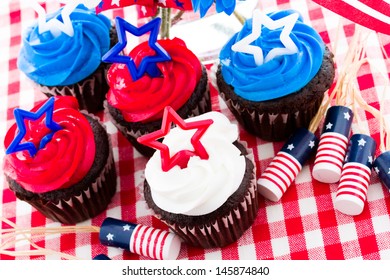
(351, 193)
(278, 176)
(331, 152)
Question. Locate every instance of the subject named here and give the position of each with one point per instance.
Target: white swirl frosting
(204, 185)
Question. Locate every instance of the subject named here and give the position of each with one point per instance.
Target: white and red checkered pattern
(302, 225)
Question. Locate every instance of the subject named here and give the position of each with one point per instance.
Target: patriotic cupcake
(69, 64)
(201, 181)
(155, 74)
(60, 161)
(273, 74)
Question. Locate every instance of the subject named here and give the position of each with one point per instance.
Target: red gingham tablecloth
(302, 225)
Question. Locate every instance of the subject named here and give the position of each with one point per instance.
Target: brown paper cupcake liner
(224, 230)
(272, 126)
(132, 133)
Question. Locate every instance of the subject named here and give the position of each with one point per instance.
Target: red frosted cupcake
(136, 105)
(60, 161)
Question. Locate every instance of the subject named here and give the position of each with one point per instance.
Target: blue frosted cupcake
(70, 65)
(271, 100)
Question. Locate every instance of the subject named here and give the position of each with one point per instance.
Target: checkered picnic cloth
(302, 225)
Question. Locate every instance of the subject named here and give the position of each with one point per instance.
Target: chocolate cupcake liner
(226, 229)
(90, 92)
(91, 200)
(131, 134)
(272, 126)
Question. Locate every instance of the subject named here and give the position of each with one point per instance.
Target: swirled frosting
(65, 60)
(65, 159)
(204, 185)
(144, 100)
(280, 76)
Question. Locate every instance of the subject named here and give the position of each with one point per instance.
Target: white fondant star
(311, 144)
(126, 227)
(376, 169)
(164, 2)
(362, 142)
(54, 25)
(110, 236)
(290, 147)
(115, 2)
(389, 171)
(347, 116)
(329, 126)
(370, 159)
(260, 19)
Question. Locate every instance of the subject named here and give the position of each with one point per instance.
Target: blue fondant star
(148, 63)
(21, 116)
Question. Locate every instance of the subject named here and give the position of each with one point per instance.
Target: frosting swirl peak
(281, 75)
(65, 60)
(65, 159)
(145, 99)
(204, 185)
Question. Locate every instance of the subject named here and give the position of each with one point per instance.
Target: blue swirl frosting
(65, 60)
(280, 76)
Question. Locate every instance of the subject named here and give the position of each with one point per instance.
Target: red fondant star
(182, 157)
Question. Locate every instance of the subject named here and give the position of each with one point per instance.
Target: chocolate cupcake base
(221, 227)
(85, 199)
(198, 103)
(277, 119)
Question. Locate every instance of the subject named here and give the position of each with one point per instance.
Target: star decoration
(347, 116)
(290, 147)
(182, 157)
(110, 237)
(389, 171)
(361, 142)
(312, 144)
(22, 115)
(370, 159)
(115, 2)
(376, 169)
(54, 25)
(126, 227)
(148, 63)
(329, 126)
(260, 19)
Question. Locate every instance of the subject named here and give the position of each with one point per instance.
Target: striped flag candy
(333, 145)
(382, 168)
(139, 239)
(286, 165)
(351, 192)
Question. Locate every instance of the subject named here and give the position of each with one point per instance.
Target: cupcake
(70, 65)
(274, 80)
(210, 199)
(136, 106)
(60, 161)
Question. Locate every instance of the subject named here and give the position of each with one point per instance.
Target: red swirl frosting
(144, 100)
(65, 159)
